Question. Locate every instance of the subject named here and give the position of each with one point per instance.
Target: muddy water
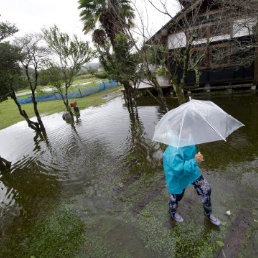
(107, 166)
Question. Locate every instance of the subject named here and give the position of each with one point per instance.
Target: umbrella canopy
(195, 122)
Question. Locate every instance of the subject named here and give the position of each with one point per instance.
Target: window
(220, 55)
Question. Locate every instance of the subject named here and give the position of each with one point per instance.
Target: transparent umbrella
(195, 122)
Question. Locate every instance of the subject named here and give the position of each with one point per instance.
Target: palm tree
(113, 15)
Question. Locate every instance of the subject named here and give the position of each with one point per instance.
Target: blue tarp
(80, 93)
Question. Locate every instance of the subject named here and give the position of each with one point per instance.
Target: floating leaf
(220, 243)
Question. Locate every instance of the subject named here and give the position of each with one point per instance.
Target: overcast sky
(33, 15)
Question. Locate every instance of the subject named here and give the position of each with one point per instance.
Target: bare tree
(240, 18)
(33, 58)
(129, 32)
(206, 35)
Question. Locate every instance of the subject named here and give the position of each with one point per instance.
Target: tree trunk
(153, 79)
(128, 94)
(33, 88)
(33, 125)
(197, 77)
(178, 87)
(68, 108)
(4, 164)
(178, 90)
(35, 105)
(149, 74)
(156, 99)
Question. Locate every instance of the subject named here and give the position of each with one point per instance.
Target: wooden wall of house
(222, 76)
(212, 37)
(228, 71)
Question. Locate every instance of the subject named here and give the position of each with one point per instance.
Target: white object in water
(228, 213)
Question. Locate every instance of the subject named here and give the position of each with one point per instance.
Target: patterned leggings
(203, 190)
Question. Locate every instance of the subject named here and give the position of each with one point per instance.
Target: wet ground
(108, 173)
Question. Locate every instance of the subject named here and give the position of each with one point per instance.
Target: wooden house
(225, 37)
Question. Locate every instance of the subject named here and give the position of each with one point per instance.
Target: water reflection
(141, 148)
(88, 156)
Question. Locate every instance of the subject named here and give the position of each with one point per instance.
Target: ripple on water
(82, 157)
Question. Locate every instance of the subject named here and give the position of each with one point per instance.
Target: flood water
(105, 168)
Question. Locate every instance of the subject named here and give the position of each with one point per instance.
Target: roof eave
(173, 20)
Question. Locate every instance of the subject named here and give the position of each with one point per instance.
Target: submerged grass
(58, 234)
(9, 113)
(188, 239)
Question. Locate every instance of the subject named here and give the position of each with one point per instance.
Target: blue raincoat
(181, 169)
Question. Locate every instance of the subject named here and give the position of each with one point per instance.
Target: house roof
(185, 2)
(188, 5)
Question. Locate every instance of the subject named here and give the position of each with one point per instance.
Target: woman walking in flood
(194, 122)
(181, 167)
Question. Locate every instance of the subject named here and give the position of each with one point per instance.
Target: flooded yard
(101, 185)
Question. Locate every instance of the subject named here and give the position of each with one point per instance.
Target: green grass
(9, 113)
(58, 234)
(79, 79)
(39, 92)
(95, 82)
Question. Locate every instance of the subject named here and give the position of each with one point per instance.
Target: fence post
(80, 92)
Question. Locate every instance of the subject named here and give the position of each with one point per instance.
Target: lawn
(9, 113)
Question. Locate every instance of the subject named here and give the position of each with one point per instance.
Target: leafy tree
(7, 61)
(9, 69)
(7, 29)
(71, 54)
(91, 71)
(43, 79)
(114, 16)
(102, 75)
(121, 64)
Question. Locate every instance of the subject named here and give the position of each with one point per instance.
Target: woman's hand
(198, 157)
